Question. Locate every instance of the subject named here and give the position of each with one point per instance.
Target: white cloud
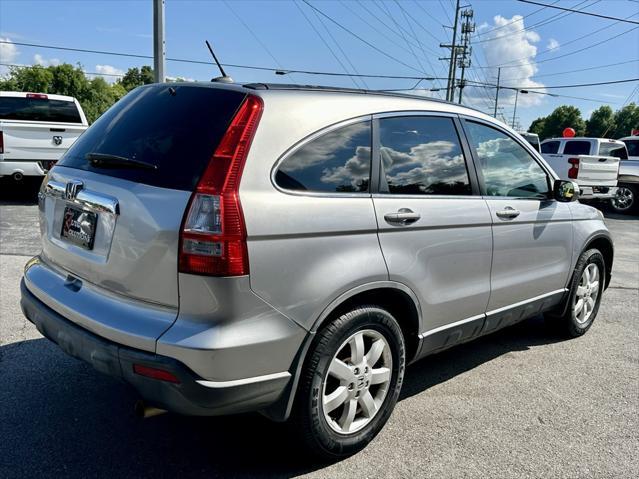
(552, 44)
(45, 62)
(8, 54)
(108, 72)
(510, 45)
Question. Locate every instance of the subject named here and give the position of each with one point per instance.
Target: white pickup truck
(36, 129)
(592, 162)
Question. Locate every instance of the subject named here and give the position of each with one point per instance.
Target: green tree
(537, 126)
(99, 96)
(35, 79)
(601, 122)
(135, 77)
(562, 117)
(625, 120)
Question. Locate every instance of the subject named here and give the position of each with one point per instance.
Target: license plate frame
(78, 227)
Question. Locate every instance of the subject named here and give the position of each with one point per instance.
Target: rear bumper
(597, 192)
(26, 168)
(192, 396)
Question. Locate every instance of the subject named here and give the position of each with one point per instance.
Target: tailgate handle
(508, 213)
(403, 217)
(58, 130)
(602, 159)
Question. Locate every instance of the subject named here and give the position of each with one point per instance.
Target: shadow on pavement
(60, 417)
(24, 192)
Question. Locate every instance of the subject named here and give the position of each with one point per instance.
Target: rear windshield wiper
(105, 160)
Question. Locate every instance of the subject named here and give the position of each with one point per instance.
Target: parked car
(627, 198)
(533, 139)
(36, 129)
(592, 162)
(289, 249)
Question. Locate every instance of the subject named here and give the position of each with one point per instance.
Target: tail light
(1, 143)
(573, 172)
(37, 96)
(213, 236)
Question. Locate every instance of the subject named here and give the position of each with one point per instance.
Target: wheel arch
(604, 244)
(396, 297)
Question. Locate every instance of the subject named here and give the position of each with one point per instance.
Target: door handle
(508, 213)
(404, 216)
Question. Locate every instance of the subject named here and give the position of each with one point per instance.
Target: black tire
(567, 323)
(318, 438)
(630, 204)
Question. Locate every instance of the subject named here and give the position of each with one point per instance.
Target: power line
(14, 65)
(479, 34)
(328, 32)
(580, 11)
(598, 67)
(382, 52)
(314, 72)
(325, 43)
(520, 63)
(544, 22)
(581, 85)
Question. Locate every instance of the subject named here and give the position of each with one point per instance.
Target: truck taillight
(573, 172)
(1, 143)
(213, 236)
(37, 96)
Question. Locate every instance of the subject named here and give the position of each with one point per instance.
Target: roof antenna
(224, 78)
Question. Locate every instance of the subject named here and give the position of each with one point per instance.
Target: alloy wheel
(624, 198)
(357, 381)
(587, 292)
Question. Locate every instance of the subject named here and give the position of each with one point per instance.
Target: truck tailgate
(598, 170)
(38, 141)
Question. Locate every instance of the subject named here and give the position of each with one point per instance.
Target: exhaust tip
(143, 410)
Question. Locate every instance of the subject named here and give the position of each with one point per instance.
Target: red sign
(569, 132)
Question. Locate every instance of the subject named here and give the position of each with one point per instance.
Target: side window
(508, 169)
(338, 161)
(551, 147)
(422, 156)
(618, 150)
(576, 147)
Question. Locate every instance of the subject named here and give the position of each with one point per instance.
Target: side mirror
(565, 191)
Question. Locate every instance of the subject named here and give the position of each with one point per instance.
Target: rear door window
(550, 147)
(336, 162)
(618, 150)
(576, 147)
(38, 109)
(175, 128)
(422, 156)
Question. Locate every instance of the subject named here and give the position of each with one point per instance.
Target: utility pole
(497, 92)
(517, 92)
(450, 88)
(464, 62)
(159, 45)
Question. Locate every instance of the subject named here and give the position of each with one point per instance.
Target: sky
(536, 47)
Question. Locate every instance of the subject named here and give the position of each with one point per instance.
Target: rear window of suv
(38, 109)
(173, 127)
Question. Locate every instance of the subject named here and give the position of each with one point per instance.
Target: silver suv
(289, 250)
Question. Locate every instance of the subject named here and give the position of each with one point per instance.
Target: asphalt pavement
(519, 403)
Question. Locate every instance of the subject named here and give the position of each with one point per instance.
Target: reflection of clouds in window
(338, 161)
(353, 171)
(325, 148)
(434, 162)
